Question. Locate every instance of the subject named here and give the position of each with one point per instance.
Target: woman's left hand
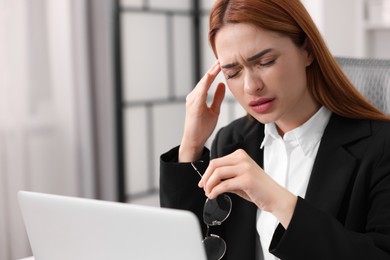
(238, 173)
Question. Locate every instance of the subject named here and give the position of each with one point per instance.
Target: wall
(44, 109)
(341, 24)
(347, 27)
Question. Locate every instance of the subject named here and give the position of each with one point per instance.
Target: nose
(253, 83)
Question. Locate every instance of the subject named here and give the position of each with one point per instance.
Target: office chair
(371, 77)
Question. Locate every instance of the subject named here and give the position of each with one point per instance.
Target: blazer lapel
(250, 142)
(335, 165)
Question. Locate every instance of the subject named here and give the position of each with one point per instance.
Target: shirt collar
(307, 135)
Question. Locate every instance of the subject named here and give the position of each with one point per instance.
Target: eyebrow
(252, 58)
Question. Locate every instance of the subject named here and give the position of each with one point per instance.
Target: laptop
(64, 228)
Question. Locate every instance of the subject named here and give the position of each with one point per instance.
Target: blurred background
(93, 91)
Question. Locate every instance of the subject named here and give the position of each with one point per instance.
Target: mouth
(261, 101)
(262, 105)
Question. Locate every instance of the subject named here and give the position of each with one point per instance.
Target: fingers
(214, 164)
(221, 180)
(218, 98)
(221, 169)
(213, 71)
(204, 84)
(230, 173)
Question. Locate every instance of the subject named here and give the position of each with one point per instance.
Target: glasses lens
(215, 247)
(216, 210)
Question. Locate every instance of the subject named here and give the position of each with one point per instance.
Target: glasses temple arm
(196, 169)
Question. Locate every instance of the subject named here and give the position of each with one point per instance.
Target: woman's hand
(201, 119)
(238, 173)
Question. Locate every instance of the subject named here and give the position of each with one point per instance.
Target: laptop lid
(61, 227)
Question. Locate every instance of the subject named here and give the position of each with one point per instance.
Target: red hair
(327, 83)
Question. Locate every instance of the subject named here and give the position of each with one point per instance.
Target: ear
(309, 52)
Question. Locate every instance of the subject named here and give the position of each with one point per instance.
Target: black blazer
(346, 210)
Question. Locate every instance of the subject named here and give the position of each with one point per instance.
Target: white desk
(28, 258)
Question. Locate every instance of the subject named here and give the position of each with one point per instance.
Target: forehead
(245, 40)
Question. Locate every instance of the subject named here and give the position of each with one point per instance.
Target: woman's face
(266, 72)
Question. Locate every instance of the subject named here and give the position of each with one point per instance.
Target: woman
(308, 170)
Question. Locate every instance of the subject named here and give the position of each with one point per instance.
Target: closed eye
(230, 76)
(266, 64)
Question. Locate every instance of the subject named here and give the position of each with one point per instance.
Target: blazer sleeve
(179, 183)
(314, 234)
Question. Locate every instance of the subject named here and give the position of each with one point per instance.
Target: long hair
(326, 81)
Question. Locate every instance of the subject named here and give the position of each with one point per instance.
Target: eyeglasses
(215, 212)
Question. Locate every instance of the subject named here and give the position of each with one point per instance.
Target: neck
(286, 125)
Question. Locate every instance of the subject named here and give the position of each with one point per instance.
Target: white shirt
(289, 161)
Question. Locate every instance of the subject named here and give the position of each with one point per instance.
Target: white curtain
(45, 118)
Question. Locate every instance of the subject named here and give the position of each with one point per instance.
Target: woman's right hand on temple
(201, 119)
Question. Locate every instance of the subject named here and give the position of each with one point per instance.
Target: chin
(264, 118)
